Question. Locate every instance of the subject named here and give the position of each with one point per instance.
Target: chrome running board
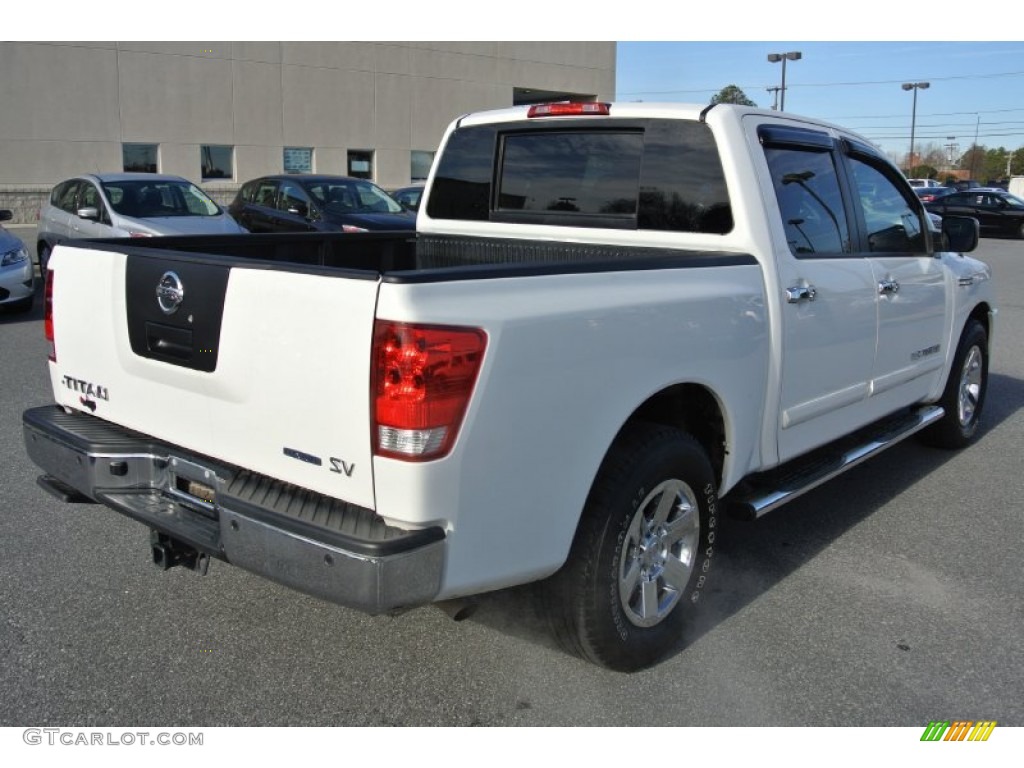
(770, 490)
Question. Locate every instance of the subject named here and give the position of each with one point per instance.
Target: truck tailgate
(263, 366)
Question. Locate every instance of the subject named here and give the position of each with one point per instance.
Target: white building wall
(68, 107)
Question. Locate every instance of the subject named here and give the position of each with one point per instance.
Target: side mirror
(959, 233)
(6, 215)
(90, 213)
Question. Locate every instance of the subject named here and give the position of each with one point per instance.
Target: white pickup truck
(614, 322)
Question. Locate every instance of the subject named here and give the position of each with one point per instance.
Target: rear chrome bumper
(317, 545)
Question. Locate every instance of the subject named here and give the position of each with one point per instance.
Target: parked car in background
(127, 205)
(997, 212)
(965, 184)
(923, 183)
(927, 194)
(319, 203)
(17, 274)
(409, 196)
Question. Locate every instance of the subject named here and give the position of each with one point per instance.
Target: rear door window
(69, 196)
(246, 192)
(266, 194)
(808, 192)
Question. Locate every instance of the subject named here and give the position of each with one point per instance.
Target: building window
(139, 158)
(217, 161)
(360, 163)
(419, 167)
(298, 159)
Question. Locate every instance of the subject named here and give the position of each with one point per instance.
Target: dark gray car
(997, 212)
(317, 203)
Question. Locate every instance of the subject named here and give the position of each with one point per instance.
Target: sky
(975, 88)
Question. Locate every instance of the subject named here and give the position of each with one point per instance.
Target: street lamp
(784, 57)
(915, 87)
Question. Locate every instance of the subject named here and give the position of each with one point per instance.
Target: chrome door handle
(888, 286)
(798, 293)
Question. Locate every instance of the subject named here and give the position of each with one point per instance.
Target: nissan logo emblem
(169, 293)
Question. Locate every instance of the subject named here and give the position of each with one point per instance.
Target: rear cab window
(620, 174)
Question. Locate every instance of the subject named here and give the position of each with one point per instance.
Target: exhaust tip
(458, 609)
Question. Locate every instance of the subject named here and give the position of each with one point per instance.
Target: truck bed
(400, 257)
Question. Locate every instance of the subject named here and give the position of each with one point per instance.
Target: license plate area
(194, 486)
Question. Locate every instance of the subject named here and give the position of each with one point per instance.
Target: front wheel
(642, 551)
(964, 395)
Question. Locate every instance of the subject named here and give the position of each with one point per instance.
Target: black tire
(623, 596)
(44, 259)
(964, 396)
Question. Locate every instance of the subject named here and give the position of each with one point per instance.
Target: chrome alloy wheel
(659, 553)
(970, 387)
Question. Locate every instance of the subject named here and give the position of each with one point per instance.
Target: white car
(17, 276)
(128, 205)
(923, 183)
(582, 360)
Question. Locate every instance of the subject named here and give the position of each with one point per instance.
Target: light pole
(784, 57)
(915, 87)
(774, 91)
(974, 147)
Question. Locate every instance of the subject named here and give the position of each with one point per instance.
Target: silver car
(127, 205)
(17, 274)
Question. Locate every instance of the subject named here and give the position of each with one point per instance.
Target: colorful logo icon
(958, 730)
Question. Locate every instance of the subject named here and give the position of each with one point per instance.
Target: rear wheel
(641, 553)
(44, 258)
(964, 395)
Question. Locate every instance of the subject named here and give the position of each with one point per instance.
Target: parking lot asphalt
(890, 596)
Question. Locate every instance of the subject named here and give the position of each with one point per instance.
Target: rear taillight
(422, 380)
(564, 109)
(48, 314)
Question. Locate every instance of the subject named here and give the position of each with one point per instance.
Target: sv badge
(341, 467)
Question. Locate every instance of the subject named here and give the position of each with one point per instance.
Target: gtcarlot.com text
(70, 737)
